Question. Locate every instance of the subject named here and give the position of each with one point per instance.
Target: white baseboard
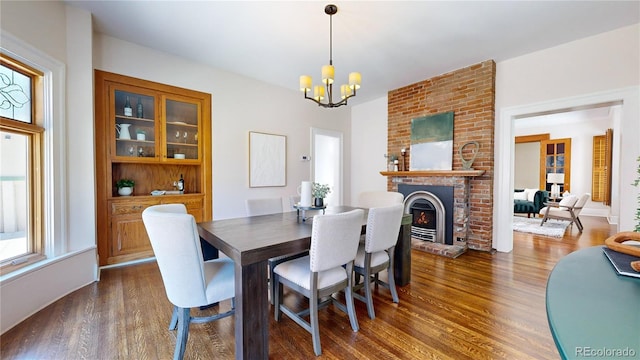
(604, 212)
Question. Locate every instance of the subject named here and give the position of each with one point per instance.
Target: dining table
(250, 242)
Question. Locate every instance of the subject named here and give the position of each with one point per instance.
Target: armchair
(567, 209)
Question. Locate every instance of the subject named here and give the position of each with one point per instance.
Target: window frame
(35, 134)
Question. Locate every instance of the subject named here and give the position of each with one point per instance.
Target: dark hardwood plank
(478, 306)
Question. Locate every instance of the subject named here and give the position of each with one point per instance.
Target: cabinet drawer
(131, 208)
(189, 202)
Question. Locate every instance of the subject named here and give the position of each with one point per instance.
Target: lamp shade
(555, 178)
(318, 92)
(345, 91)
(354, 80)
(327, 74)
(305, 83)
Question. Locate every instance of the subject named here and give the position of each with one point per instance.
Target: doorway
(326, 156)
(504, 155)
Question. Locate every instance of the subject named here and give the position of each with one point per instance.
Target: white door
(326, 158)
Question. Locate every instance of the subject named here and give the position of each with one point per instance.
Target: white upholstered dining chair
(189, 281)
(327, 270)
(376, 254)
(371, 199)
(256, 207)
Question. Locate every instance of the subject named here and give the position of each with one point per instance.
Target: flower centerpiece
(125, 186)
(319, 192)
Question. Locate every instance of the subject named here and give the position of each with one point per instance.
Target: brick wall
(470, 94)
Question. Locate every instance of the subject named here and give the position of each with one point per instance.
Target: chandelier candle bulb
(318, 92)
(354, 80)
(328, 72)
(345, 91)
(305, 83)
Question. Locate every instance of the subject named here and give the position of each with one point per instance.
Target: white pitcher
(304, 190)
(123, 131)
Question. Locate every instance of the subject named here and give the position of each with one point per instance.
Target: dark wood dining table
(250, 242)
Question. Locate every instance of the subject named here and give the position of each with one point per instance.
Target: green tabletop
(592, 311)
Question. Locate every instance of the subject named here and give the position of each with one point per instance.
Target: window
(21, 181)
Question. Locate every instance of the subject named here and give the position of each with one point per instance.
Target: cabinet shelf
(136, 119)
(146, 142)
(182, 124)
(181, 144)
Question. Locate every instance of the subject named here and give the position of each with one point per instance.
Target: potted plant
(125, 186)
(319, 192)
(141, 135)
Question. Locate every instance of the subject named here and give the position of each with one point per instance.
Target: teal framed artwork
(432, 142)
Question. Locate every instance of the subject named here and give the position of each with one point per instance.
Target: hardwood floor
(478, 306)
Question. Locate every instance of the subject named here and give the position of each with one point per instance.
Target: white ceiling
(391, 43)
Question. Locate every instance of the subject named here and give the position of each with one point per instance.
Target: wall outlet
(304, 158)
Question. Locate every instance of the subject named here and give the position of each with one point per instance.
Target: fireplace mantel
(450, 173)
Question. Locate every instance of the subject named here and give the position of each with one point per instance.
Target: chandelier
(346, 91)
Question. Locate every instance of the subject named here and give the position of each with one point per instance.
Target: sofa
(529, 201)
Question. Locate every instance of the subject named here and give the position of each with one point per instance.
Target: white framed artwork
(267, 159)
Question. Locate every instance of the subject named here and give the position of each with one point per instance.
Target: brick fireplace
(470, 94)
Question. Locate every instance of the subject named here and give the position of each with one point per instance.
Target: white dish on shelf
(179, 123)
(157, 192)
(178, 156)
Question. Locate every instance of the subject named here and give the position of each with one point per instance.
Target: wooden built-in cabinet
(174, 121)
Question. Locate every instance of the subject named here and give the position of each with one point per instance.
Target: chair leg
(184, 319)
(348, 298)
(272, 286)
(392, 283)
(313, 320)
(277, 300)
(545, 217)
(579, 223)
(174, 319)
(367, 293)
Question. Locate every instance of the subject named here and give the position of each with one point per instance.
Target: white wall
(597, 69)
(369, 140)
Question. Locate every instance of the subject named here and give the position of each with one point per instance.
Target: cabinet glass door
(181, 129)
(555, 158)
(134, 125)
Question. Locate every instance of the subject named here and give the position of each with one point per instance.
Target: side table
(592, 311)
